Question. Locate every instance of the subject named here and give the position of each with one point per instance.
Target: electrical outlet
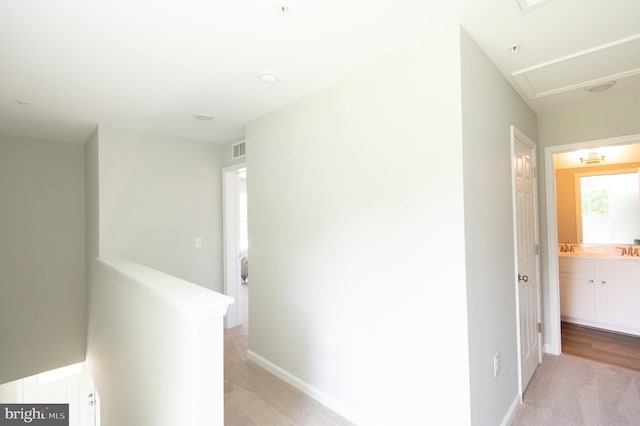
(496, 364)
(197, 242)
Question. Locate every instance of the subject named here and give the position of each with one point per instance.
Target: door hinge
(534, 171)
(537, 249)
(539, 327)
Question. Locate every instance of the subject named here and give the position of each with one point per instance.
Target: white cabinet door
(577, 296)
(601, 293)
(622, 302)
(618, 284)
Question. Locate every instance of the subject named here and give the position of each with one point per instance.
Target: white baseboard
(324, 399)
(550, 349)
(508, 418)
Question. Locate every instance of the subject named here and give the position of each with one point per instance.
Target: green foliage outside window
(595, 201)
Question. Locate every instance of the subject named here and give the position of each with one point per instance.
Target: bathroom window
(609, 207)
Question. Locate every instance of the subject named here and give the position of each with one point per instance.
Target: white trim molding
(511, 413)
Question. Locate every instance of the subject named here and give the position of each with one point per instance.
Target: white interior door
(528, 287)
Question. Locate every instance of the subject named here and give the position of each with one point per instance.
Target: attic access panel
(612, 61)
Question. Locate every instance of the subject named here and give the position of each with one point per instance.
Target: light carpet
(567, 390)
(253, 396)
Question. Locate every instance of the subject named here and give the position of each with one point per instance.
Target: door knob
(524, 278)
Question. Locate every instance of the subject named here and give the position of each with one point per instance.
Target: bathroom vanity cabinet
(601, 292)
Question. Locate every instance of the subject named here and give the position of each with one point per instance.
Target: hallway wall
(357, 239)
(157, 194)
(42, 303)
(490, 106)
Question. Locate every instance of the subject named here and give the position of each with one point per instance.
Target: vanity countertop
(599, 256)
(596, 251)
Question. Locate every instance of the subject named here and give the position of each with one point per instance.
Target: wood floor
(599, 345)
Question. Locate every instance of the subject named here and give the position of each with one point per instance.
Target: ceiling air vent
(238, 150)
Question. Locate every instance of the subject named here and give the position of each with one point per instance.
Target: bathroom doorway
(583, 156)
(236, 244)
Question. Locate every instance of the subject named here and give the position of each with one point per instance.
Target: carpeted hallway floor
(253, 396)
(567, 390)
(564, 391)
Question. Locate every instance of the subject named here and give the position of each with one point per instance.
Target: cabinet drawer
(629, 269)
(576, 264)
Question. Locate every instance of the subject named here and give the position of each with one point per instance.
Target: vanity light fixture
(592, 158)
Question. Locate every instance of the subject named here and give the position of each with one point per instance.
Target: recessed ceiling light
(203, 116)
(269, 77)
(600, 87)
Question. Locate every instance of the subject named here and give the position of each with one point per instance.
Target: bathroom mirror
(608, 207)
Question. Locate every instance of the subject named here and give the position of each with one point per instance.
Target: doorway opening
(236, 244)
(564, 164)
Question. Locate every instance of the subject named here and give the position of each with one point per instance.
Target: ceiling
(67, 65)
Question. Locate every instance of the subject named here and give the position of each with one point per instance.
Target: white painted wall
(590, 121)
(594, 120)
(154, 347)
(489, 106)
(357, 240)
(42, 303)
(157, 194)
(92, 198)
